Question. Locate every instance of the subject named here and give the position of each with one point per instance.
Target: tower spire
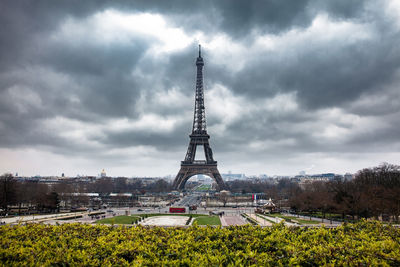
(199, 119)
(199, 50)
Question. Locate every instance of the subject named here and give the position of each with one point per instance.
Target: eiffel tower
(199, 137)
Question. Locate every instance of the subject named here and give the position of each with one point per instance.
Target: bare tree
(8, 191)
(223, 197)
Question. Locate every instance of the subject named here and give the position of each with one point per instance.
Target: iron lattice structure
(198, 137)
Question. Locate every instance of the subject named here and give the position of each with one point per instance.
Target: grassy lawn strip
(170, 214)
(328, 216)
(302, 221)
(123, 219)
(319, 214)
(203, 188)
(208, 220)
(274, 215)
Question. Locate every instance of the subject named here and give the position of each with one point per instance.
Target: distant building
(348, 176)
(268, 206)
(103, 174)
(232, 176)
(323, 177)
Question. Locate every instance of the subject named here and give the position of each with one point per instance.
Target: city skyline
(289, 87)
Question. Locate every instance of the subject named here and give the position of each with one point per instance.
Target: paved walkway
(36, 218)
(84, 216)
(278, 220)
(260, 221)
(165, 221)
(232, 220)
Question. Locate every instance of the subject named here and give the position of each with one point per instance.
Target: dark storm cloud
(43, 78)
(162, 140)
(23, 19)
(323, 76)
(239, 18)
(102, 74)
(91, 59)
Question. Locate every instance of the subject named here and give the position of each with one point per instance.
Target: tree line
(44, 197)
(374, 192)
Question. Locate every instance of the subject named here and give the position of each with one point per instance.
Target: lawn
(203, 188)
(171, 214)
(302, 221)
(208, 220)
(123, 219)
(274, 215)
(319, 214)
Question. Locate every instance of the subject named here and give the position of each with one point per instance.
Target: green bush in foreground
(369, 243)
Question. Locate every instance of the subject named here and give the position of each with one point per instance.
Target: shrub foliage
(369, 243)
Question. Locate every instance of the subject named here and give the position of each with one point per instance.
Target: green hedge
(364, 243)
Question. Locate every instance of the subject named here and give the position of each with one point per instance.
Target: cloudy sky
(305, 85)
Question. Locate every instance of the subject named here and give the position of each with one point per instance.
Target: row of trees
(282, 190)
(123, 185)
(17, 194)
(43, 197)
(374, 192)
